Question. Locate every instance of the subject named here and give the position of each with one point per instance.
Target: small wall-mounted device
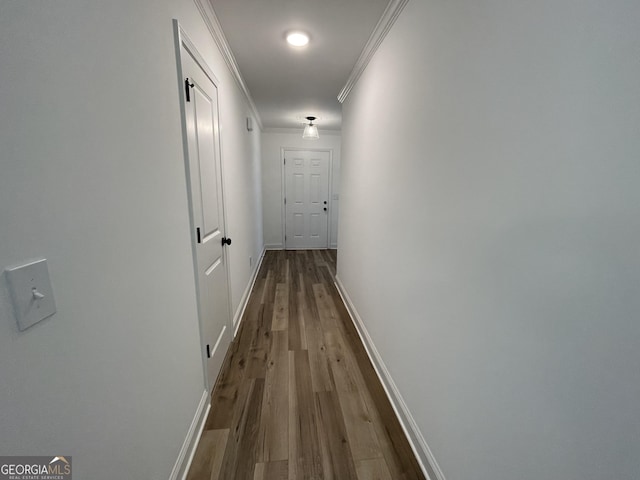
(31, 293)
(249, 124)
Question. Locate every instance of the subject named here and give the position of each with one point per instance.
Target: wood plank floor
(297, 397)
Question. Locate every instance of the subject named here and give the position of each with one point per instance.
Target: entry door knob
(226, 241)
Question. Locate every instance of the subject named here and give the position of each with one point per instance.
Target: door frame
(283, 179)
(182, 41)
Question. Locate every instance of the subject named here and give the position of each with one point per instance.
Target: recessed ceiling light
(297, 39)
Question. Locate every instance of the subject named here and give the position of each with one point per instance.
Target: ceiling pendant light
(310, 131)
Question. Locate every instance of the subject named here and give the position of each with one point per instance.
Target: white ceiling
(288, 84)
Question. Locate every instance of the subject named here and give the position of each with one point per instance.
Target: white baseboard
(237, 318)
(280, 246)
(418, 444)
(185, 457)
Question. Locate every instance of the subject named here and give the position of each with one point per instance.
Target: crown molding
(211, 20)
(385, 23)
(298, 131)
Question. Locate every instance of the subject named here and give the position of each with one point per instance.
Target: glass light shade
(310, 131)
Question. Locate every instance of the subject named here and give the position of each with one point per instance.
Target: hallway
(297, 397)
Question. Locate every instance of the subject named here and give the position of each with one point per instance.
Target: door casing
(283, 213)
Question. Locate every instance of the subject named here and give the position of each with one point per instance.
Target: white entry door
(200, 97)
(306, 199)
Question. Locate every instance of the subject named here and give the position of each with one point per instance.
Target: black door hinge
(198, 235)
(187, 89)
(208, 351)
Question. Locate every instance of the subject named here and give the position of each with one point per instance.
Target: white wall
(92, 178)
(272, 144)
(242, 191)
(497, 144)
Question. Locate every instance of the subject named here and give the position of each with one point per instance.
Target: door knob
(325, 209)
(325, 202)
(226, 241)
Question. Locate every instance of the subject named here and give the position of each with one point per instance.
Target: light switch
(31, 293)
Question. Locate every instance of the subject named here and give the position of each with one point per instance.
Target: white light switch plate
(31, 293)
